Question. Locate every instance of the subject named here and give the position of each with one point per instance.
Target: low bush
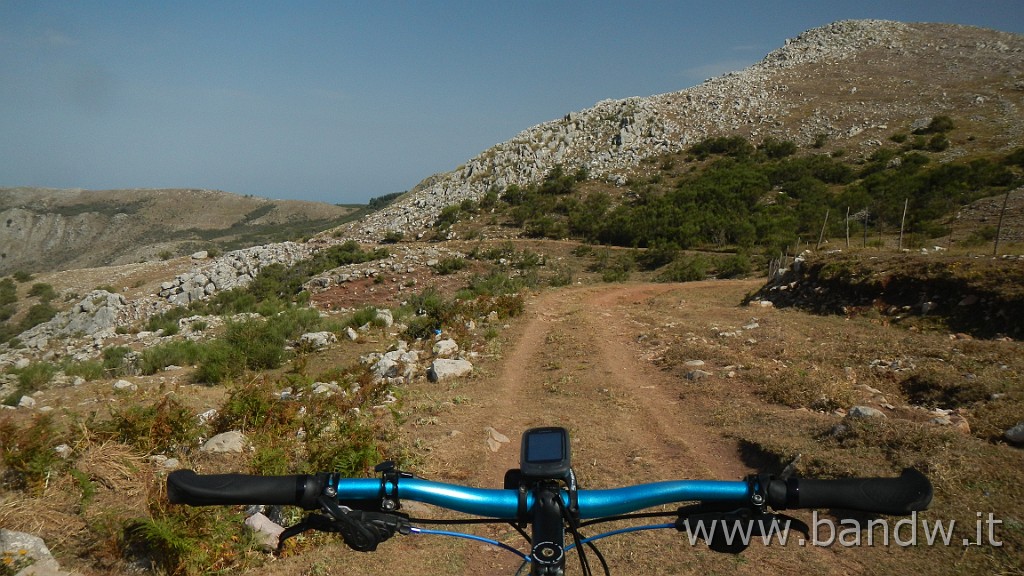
(44, 292)
(685, 269)
(162, 427)
(156, 358)
(254, 407)
(31, 378)
(115, 360)
(87, 370)
(28, 452)
(450, 265)
(364, 316)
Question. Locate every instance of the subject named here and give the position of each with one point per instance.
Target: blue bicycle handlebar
(908, 492)
(494, 503)
(187, 487)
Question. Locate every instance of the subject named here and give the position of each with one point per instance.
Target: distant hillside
(844, 88)
(47, 229)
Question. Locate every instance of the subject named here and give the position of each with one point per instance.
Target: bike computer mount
(545, 454)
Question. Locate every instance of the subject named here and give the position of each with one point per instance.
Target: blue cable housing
(500, 503)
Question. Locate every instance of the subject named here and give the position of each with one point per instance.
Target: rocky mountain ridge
(849, 85)
(854, 62)
(46, 229)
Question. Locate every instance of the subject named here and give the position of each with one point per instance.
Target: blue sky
(343, 101)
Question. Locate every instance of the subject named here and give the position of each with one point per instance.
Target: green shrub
(37, 314)
(8, 292)
(393, 237)
(253, 407)
(685, 269)
(363, 316)
(350, 450)
(448, 217)
(734, 266)
(191, 541)
(494, 284)
(22, 276)
(938, 125)
(30, 379)
(450, 265)
(938, 143)
(219, 363)
(88, 370)
(168, 321)
(165, 426)
(156, 358)
(28, 452)
(613, 267)
(114, 360)
(562, 275)
(981, 236)
(658, 255)
(257, 342)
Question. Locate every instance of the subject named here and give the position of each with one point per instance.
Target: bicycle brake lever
(361, 530)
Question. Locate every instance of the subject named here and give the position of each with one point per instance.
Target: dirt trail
(576, 360)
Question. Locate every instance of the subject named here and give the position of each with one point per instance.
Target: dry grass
(794, 360)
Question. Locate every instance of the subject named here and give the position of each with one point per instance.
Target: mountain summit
(845, 85)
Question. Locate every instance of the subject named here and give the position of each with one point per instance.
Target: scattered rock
(864, 412)
(226, 442)
(385, 368)
(27, 402)
(38, 561)
(1015, 434)
(384, 315)
(868, 389)
(495, 439)
(125, 385)
(697, 375)
(266, 530)
(317, 340)
(952, 418)
(207, 416)
(445, 348)
(446, 369)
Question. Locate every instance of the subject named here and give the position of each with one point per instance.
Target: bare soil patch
(604, 361)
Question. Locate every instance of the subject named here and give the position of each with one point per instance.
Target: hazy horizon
(339, 102)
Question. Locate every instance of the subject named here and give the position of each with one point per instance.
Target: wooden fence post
(822, 235)
(999, 224)
(903, 222)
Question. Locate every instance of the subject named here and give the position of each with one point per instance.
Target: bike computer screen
(545, 453)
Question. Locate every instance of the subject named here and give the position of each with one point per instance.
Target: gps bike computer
(545, 453)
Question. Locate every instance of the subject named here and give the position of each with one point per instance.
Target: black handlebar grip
(910, 492)
(187, 487)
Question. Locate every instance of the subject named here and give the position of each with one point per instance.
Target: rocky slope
(848, 85)
(45, 229)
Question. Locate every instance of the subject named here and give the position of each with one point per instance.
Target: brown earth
(609, 362)
(587, 358)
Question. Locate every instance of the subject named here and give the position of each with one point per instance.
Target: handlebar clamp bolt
(757, 499)
(330, 492)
